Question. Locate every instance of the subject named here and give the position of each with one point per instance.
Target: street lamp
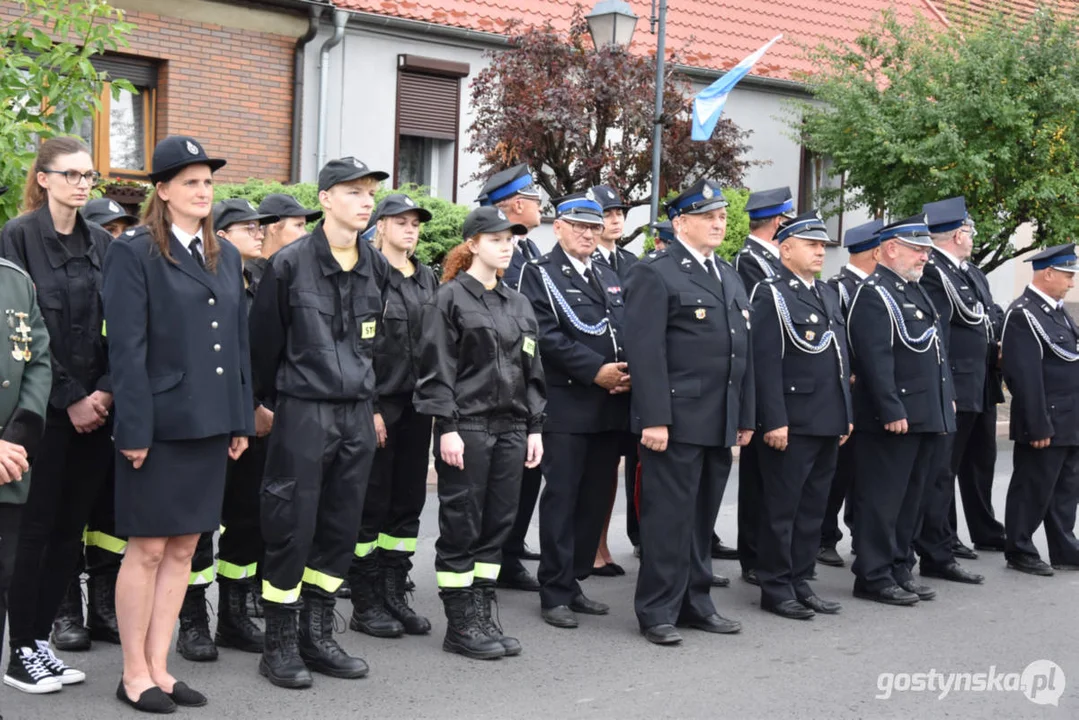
(611, 22)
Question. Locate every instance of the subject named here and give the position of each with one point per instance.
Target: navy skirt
(177, 491)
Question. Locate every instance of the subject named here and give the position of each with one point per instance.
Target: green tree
(910, 114)
(48, 85)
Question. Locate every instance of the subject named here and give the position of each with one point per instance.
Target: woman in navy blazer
(178, 346)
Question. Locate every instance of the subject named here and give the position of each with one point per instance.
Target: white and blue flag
(708, 103)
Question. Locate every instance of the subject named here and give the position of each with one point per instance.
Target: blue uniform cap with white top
(503, 185)
(700, 197)
(1059, 257)
(580, 208)
(945, 215)
(807, 226)
(861, 238)
(912, 231)
(765, 204)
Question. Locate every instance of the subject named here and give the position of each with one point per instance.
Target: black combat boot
(394, 575)
(235, 629)
(101, 608)
(68, 632)
(369, 614)
(195, 642)
(318, 649)
(484, 596)
(464, 634)
(281, 661)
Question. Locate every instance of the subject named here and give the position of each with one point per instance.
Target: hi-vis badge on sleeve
(529, 347)
(367, 330)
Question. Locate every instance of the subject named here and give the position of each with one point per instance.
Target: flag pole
(657, 130)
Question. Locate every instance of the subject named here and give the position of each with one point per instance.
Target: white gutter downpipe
(340, 18)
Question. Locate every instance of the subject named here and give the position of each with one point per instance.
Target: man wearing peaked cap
(862, 243)
(903, 406)
(515, 193)
(692, 401)
(663, 234)
(608, 250)
(803, 414)
(578, 304)
(1040, 361)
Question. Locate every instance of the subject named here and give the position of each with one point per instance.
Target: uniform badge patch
(367, 330)
(701, 313)
(192, 148)
(810, 335)
(529, 347)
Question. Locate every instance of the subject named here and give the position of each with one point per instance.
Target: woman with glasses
(63, 255)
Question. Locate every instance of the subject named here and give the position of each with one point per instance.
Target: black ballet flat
(153, 700)
(607, 570)
(184, 696)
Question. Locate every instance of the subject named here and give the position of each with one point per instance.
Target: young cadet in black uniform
(977, 378)
(110, 215)
(63, 254)
(313, 326)
(799, 338)
(514, 192)
(758, 259)
(862, 243)
(903, 405)
(692, 400)
(1039, 354)
(578, 304)
(291, 226)
(481, 378)
(397, 488)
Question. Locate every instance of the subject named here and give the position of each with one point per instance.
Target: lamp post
(613, 21)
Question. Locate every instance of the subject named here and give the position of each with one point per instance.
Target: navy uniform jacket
(178, 343)
(621, 257)
(1041, 371)
(972, 343)
(807, 392)
(894, 381)
(512, 276)
(689, 351)
(845, 284)
(754, 263)
(571, 356)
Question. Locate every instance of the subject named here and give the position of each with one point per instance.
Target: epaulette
(542, 260)
(769, 280)
(654, 255)
(12, 266)
(745, 251)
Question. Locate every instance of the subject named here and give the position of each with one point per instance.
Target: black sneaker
(26, 672)
(67, 674)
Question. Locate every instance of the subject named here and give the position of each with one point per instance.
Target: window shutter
(427, 105)
(138, 72)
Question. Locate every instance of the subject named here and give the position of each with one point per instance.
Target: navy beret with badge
(579, 207)
(503, 185)
(807, 226)
(1058, 257)
(176, 152)
(911, 230)
(861, 238)
(946, 215)
(104, 211)
(344, 170)
(700, 197)
(764, 204)
(609, 198)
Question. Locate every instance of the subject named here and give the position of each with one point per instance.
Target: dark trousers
(104, 548)
(935, 537)
(526, 504)
(1044, 489)
(397, 489)
(572, 507)
(10, 516)
(891, 473)
(974, 460)
(839, 496)
(794, 495)
(317, 463)
(477, 504)
(629, 471)
(749, 503)
(68, 473)
(681, 489)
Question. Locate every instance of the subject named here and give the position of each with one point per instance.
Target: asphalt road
(830, 667)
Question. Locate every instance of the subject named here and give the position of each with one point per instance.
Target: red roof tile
(712, 34)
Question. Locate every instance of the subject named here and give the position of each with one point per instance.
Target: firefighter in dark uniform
(313, 326)
(903, 406)
(758, 259)
(977, 379)
(799, 339)
(578, 304)
(481, 378)
(514, 192)
(862, 243)
(664, 234)
(1040, 361)
(692, 400)
(398, 486)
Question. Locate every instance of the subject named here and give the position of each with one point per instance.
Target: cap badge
(358, 164)
(249, 205)
(192, 148)
(501, 215)
(113, 207)
(610, 194)
(410, 202)
(590, 195)
(707, 192)
(700, 313)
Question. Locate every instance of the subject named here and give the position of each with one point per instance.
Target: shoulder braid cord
(844, 296)
(928, 338)
(765, 265)
(558, 302)
(828, 338)
(969, 315)
(1039, 331)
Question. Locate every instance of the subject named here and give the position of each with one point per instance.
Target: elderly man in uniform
(692, 401)
(578, 304)
(903, 405)
(1039, 354)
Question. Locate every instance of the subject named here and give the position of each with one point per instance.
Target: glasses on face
(969, 230)
(73, 177)
(252, 228)
(579, 229)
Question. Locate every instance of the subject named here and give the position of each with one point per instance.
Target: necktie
(593, 282)
(710, 266)
(522, 244)
(614, 259)
(193, 246)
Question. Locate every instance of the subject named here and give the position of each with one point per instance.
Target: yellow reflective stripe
(202, 577)
(220, 529)
(95, 538)
(487, 571)
(389, 542)
(453, 580)
(103, 333)
(229, 571)
(364, 549)
(329, 583)
(282, 597)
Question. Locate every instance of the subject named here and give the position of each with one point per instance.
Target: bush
(737, 223)
(437, 237)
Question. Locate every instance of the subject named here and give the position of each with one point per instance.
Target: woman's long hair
(34, 197)
(458, 260)
(158, 220)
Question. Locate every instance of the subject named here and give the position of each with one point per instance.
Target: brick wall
(229, 88)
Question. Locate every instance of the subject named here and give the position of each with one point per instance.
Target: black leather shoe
(750, 576)
(924, 592)
(662, 635)
(184, 696)
(1030, 565)
(585, 606)
(559, 616)
(820, 605)
(891, 595)
(829, 556)
(960, 550)
(997, 545)
(68, 631)
(721, 551)
(952, 571)
(720, 581)
(529, 554)
(790, 609)
(517, 578)
(714, 623)
(153, 700)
